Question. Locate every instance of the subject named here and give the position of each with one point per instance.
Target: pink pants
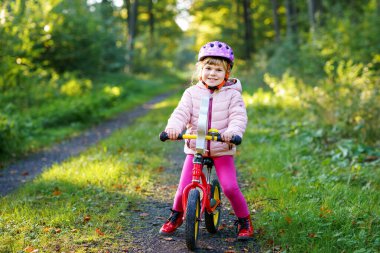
(226, 172)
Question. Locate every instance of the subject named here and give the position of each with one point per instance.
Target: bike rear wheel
(193, 213)
(212, 220)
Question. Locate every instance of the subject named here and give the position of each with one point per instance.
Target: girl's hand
(172, 133)
(227, 136)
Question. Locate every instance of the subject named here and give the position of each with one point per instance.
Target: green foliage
(348, 100)
(60, 108)
(308, 193)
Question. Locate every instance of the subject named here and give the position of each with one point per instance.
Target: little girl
(227, 113)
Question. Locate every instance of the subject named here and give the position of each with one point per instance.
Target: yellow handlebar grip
(189, 136)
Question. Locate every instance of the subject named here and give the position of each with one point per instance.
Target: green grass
(35, 118)
(306, 195)
(84, 204)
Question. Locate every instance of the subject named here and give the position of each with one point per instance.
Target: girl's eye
(208, 68)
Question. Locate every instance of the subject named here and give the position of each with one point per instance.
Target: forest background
(58, 54)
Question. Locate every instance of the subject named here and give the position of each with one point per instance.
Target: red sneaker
(175, 220)
(245, 228)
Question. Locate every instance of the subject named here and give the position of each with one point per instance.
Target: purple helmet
(218, 49)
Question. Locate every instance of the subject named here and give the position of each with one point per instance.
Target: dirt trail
(29, 167)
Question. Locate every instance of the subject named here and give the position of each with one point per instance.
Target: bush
(348, 100)
(9, 137)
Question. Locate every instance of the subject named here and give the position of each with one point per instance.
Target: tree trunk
(151, 22)
(276, 22)
(291, 27)
(248, 29)
(314, 7)
(132, 9)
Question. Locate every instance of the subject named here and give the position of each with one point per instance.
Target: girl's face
(213, 75)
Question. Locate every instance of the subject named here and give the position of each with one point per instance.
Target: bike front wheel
(212, 220)
(193, 213)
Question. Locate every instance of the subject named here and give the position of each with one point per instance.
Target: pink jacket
(227, 113)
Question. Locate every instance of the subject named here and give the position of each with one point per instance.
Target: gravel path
(28, 168)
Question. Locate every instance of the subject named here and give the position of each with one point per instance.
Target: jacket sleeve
(237, 120)
(182, 113)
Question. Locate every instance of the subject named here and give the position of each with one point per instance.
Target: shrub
(348, 99)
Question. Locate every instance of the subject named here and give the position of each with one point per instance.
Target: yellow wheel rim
(197, 212)
(216, 212)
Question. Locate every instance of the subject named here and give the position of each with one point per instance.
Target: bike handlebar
(236, 139)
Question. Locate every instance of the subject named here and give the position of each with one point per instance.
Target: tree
(314, 7)
(276, 22)
(132, 9)
(291, 16)
(248, 30)
(151, 22)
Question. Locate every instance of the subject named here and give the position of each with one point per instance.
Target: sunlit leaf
(99, 232)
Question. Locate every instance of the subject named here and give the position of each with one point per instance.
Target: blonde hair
(211, 61)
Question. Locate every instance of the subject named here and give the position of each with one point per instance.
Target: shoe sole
(165, 233)
(244, 238)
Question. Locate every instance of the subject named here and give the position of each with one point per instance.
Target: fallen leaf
(29, 249)
(288, 219)
(57, 230)
(229, 239)
(99, 232)
(144, 214)
(229, 251)
(74, 230)
(311, 235)
(160, 169)
(168, 239)
(119, 186)
(222, 226)
(25, 173)
(86, 218)
(56, 191)
(46, 229)
(324, 212)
